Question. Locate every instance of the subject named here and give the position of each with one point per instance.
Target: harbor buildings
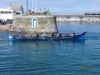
(6, 14)
(16, 9)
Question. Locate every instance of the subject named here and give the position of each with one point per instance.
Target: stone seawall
(45, 24)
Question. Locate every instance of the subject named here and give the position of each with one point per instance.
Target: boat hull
(76, 37)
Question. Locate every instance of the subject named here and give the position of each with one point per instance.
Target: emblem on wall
(34, 23)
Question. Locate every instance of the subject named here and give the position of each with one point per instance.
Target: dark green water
(53, 58)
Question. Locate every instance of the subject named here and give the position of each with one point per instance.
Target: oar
(60, 41)
(37, 44)
(52, 39)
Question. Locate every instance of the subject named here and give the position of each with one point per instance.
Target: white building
(6, 14)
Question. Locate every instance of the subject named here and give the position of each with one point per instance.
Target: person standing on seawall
(44, 11)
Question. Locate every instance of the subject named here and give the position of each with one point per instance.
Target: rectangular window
(17, 13)
(9, 12)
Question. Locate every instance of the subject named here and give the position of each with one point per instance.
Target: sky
(58, 6)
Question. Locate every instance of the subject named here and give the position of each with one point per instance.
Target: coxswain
(20, 31)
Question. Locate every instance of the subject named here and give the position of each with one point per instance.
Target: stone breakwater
(78, 18)
(7, 27)
(46, 24)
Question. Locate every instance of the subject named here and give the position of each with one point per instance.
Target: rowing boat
(47, 38)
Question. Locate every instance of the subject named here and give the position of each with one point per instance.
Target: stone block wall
(45, 24)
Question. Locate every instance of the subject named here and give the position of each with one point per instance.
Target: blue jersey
(19, 31)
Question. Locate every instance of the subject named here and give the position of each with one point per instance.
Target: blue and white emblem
(34, 23)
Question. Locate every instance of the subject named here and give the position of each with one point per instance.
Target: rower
(51, 35)
(28, 36)
(73, 34)
(36, 35)
(66, 35)
(59, 35)
(44, 34)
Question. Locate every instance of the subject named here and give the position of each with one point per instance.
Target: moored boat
(47, 38)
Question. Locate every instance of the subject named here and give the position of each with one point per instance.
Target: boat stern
(11, 38)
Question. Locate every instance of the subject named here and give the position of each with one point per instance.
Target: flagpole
(35, 6)
(27, 7)
(32, 4)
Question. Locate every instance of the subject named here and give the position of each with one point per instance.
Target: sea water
(53, 57)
